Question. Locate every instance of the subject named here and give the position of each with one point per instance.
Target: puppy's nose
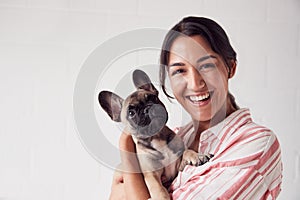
(146, 109)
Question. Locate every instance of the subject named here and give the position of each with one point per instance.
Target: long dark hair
(206, 28)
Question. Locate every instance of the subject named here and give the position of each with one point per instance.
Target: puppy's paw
(204, 158)
(193, 158)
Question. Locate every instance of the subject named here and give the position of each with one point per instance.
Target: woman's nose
(195, 81)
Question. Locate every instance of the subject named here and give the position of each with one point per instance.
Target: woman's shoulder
(254, 129)
(252, 136)
(241, 122)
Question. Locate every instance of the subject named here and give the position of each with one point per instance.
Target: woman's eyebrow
(205, 58)
(198, 61)
(176, 64)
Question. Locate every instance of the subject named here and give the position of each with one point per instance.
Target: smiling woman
(199, 61)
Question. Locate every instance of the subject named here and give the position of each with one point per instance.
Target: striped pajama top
(246, 163)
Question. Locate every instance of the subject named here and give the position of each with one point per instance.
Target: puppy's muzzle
(151, 120)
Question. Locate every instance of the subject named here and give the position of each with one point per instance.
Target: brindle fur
(160, 154)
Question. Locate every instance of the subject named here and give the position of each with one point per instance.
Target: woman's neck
(201, 126)
(225, 111)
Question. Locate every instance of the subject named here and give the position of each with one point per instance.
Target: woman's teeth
(200, 97)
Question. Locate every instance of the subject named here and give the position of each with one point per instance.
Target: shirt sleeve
(247, 167)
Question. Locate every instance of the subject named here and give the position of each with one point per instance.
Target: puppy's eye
(131, 113)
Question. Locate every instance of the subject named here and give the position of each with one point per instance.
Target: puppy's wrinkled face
(143, 113)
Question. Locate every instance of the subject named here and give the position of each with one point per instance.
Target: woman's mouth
(201, 99)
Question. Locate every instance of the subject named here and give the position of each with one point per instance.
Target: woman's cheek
(178, 85)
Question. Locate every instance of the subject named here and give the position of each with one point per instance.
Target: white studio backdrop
(45, 43)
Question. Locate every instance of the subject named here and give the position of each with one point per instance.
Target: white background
(43, 44)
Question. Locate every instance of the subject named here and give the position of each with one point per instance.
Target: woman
(198, 59)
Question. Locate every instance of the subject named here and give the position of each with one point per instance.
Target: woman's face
(198, 77)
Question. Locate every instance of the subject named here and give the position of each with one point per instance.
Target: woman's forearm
(135, 187)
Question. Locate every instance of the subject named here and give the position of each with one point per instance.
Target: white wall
(43, 44)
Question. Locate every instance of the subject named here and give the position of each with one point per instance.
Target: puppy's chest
(157, 149)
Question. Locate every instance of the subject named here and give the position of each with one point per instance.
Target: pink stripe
(239, 117)
(255, 186)
(275, 192)
(219, 165)
(235, 187)
(230, 124)
(194, 183)
(227, 130)
(212, 144)
(225, 183)
(244, 180)
(265, 158)
(204, 144)
(237, 162)
(271, 165)
(268, 155)
(203, 186)
(235, 142)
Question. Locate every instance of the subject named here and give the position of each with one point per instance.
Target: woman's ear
(232, 69)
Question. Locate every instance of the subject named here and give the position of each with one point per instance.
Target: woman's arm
(133, 180)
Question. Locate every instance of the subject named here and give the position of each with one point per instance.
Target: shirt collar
(231, 123)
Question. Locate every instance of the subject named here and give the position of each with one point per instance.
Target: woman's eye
(207, 67)
(177, 71)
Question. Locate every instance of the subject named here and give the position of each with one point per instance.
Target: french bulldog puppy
(161, 153)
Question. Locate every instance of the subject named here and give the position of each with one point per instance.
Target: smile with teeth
(197, 98)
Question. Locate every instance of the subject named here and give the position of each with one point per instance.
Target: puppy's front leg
(155, 187)
(191, 157)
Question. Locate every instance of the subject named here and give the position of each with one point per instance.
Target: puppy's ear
(142, 81)
(111, 104)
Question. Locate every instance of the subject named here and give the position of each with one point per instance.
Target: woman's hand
(126, 143)
(128, 154)
(128, 181)
(117, 188)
